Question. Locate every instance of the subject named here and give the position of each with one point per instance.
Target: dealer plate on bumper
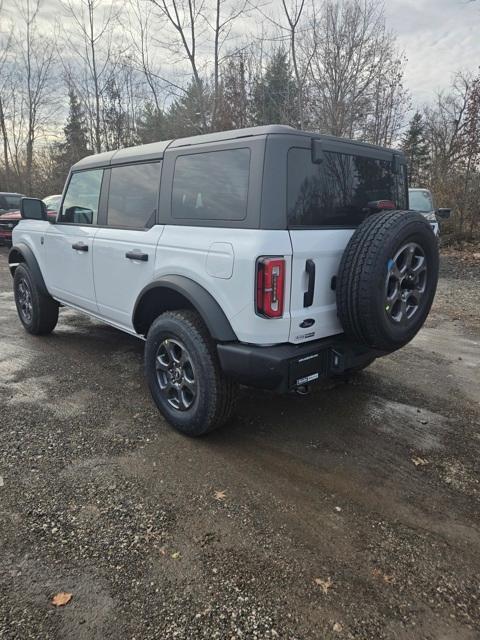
(307, 368)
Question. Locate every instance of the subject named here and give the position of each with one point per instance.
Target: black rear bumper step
(286, 366)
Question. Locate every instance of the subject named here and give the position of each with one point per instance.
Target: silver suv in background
(421, 200)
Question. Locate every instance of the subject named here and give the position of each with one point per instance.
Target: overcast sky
(439, 38)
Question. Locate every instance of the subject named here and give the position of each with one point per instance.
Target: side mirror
(33, 209)
(443, 213)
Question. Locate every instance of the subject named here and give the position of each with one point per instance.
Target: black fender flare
(31, 262)
(211, 312)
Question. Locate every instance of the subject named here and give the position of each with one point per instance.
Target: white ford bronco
(267, 256)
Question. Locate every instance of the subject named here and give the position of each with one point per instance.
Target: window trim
(185, 220)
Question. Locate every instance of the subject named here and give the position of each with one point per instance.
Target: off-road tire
(43, 315)
(215, 395)
(363, 273)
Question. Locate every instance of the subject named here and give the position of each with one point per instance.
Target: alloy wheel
(405, 284)
(24, 297)
(176, 374)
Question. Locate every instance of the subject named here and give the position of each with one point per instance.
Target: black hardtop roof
(156, 150)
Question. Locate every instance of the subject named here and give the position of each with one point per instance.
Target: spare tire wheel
(387, 279)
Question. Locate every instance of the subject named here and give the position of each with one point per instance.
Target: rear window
(336, 192)
(211, 185)
(420, 201)
(9, 202)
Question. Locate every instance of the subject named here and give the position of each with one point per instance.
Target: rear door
(125, 245)
(326, 200)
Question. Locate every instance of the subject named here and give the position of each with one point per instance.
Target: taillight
(270, 287)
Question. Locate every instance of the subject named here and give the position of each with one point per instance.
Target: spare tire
(387, 279)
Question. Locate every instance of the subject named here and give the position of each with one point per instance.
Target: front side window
(133, 195)
(80, 205)
(211, 185)
(337, 191)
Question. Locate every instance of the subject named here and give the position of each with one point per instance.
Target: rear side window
(211, 185)
(336, 192)
(133, 195)
(80, 205)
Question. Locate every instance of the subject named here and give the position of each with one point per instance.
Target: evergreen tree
(75, 145)
(415, 147)
(233, 110)
(274, 94)
(152, 125)
(186, 114)
(117, 131)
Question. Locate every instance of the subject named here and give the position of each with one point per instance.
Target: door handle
(80, 246)
(308, 295)
(137, 255)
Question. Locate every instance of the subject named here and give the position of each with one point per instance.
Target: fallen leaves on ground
(61, 599)
(388, 579)
(324, 584)
(220, 495)
(176, 555)
(420, 462)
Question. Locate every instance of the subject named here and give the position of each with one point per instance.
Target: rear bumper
(287, 366)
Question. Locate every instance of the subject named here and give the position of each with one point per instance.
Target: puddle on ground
(420, 428)
(462, 355)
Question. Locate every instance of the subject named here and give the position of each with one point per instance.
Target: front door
(69, 242)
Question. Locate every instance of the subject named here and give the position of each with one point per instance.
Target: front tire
(184, 375)
(37, 312)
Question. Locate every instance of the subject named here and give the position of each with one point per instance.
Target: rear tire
(37, 312)
(184, 375)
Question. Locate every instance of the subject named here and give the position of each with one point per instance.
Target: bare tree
(138, 25)
(90, 39)
(5, 47)
(36, 62)
(352, 61)
(200, 30)
(293, 14)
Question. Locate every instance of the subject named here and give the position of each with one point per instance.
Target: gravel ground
(352, 513)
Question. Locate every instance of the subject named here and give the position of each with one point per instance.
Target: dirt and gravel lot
(353, 513)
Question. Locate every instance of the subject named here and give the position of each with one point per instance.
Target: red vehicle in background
(10, 213)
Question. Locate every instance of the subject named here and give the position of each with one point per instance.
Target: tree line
(104, 74)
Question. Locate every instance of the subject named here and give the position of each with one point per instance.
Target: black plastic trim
(308, 295)
(280, 367)
(32, 264)
(206, 305)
